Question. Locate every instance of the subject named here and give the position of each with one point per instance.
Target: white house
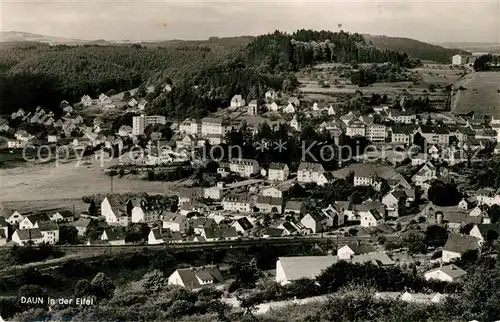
(271, 95)
(237, 101)
(11, 216)
(371, 218)
(63, 216)
(158, 235)
(350, 250)
(457, 245)
(27, 236)
(290, 109)
(315, 222)
(142, 104)
(196, 278)
(237, 203)
(458, 60)
(174, 222)
(253, 108)
(144, 213)
(243, 225)
(115, 212)
(273, 107)
(295, 124)
(448, 273)
(81, 225)
(31, 221)
(485, 232)
(309, 172)
(50, 232)
(278, 172)
(113, 236)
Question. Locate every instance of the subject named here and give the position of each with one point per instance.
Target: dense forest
(205, 76)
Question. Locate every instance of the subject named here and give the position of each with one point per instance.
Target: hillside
(414, 48)
(20, 36)
(490, 47)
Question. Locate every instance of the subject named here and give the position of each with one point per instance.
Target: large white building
(138, 125)
(140, 122)
(376, 132)
(244, 167)
(278, 172)
(459, 60)
(214, 126)
(237, 203)
(309, 172)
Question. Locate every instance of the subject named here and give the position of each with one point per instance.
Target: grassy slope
(414, 48)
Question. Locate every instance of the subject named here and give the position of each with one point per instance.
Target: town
(308, 185)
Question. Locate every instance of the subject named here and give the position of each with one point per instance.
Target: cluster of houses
(36, 228)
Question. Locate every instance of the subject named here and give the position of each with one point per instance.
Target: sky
(432, 21)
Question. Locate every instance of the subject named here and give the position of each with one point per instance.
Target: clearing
(481, 94)
(37, 187)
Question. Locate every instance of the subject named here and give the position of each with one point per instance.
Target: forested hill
(414, 48)
(307, 47)
(34, 74)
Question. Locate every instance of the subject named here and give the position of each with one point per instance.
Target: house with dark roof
(49, 230)
(278, 172)
(269, 204)
(349, 250)
(395, 200)
(116, 212)
(457, 245)
(434, 134)
(485, 232)
(237, 101)
(30, 222)
(272, 232)
(27, 236)
(157, 235)
(295, 207)
(114, 236)
(309, 172)
(449, 273)
(371, 218)
(199, 224)
(243, 225)
(219, 234)
(334, 217)
(175, 222)
(237, 203)
(81, 225)
(315, 222)
(63, 216)
(196, 278)
(244, 167)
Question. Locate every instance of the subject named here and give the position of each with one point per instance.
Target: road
(98, 252)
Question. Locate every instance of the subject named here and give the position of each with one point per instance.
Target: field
(430, 74)
(481, 94)
(50, 187)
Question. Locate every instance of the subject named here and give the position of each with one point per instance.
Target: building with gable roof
(448, 273)
(237, 101)
(196, 278)
(27, 236)
(309, 172)
(278, 172)
(457, 245)
(244, 167)
(114, 236)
